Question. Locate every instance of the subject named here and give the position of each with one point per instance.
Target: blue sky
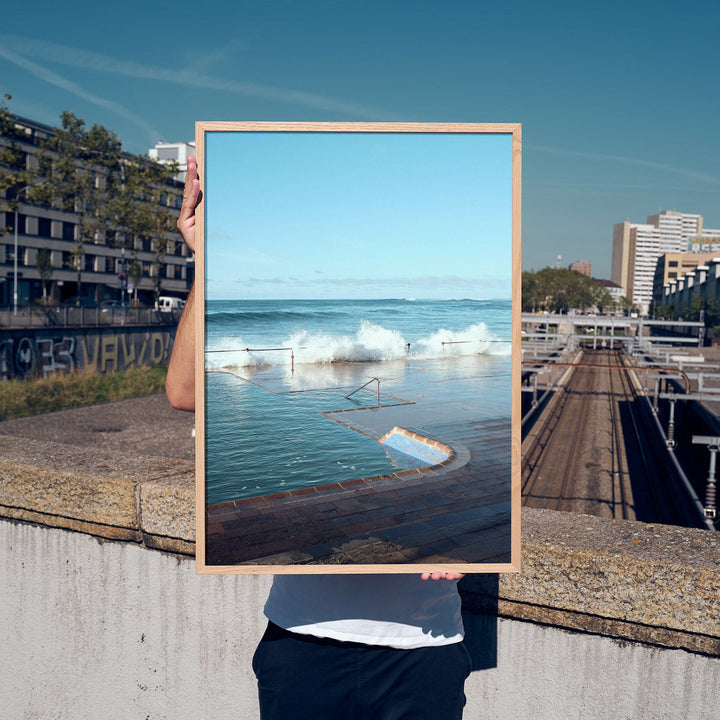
(618, 101)
(367, 215)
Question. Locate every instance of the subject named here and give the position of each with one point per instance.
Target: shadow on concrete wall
(479, 595)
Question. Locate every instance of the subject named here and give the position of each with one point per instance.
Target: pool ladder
(377, 380)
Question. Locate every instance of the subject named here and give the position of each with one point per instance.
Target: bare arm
(180, 381)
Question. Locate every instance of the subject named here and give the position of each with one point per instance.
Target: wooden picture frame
(329, 217)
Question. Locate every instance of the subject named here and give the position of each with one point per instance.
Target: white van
(168, 304)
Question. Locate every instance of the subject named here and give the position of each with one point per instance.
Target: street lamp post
(15, 271)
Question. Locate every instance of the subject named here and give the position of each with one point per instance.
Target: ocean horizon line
(355, 299)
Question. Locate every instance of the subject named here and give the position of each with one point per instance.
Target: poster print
(358, 303)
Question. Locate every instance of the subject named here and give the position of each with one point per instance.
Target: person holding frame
(380, 647)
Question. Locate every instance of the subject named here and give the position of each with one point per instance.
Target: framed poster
(358, 383)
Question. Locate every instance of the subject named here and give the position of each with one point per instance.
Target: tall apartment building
(584, 267)
(637, 247)
(32, 228)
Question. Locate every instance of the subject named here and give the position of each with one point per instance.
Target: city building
(672, 266)
(696, 289)
(637, 247)
(173, 152)
(582, 266)
(616, 292)
(107, 266)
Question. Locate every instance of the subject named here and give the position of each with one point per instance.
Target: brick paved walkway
(456, 513)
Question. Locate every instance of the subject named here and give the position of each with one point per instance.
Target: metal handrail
(669, 370)
(377, 380)
(462, 342)
(292, 352)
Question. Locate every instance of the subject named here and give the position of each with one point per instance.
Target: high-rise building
(582, 266)
(637, 247)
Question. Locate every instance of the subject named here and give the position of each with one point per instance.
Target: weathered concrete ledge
(108, 494)
(653, 584)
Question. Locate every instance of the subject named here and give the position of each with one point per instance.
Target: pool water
(258, 442)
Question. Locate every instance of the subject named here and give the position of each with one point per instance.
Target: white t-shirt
(399, 611)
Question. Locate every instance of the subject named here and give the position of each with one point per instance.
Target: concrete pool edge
(417, 445)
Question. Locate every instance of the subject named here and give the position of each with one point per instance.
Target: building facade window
(44, 227)
(10, 222)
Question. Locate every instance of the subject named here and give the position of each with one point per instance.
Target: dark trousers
(301, 677)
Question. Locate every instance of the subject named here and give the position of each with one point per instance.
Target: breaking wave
(371, 343)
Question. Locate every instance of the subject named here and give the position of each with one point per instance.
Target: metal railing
(377, 380)
(72, 316)
(249, 350)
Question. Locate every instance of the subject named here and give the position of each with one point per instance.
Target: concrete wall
(99, 629)
(39, 352)
(92, 628)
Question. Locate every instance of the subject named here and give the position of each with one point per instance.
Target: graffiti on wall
(28, 354)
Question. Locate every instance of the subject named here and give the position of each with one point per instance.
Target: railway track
(593, 452)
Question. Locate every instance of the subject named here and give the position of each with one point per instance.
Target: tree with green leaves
(114, 198)
(14, 177)
(150, 218)
(78, 171)
(45, 269)
(557, 289)
(140, 209)
(627, 306)
(135, 273)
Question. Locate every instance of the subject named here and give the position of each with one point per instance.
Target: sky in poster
(366, 215)
(618, 100)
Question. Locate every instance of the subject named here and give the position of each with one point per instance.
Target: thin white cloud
(703, 177)
(74, 57)
(53, 78)
(271, 281)
(419, 282)
(218, 56)
(238, 257)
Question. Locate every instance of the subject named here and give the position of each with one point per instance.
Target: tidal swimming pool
(265, 433)
(258, 442)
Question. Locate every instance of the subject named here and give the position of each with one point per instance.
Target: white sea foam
(371, 343)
